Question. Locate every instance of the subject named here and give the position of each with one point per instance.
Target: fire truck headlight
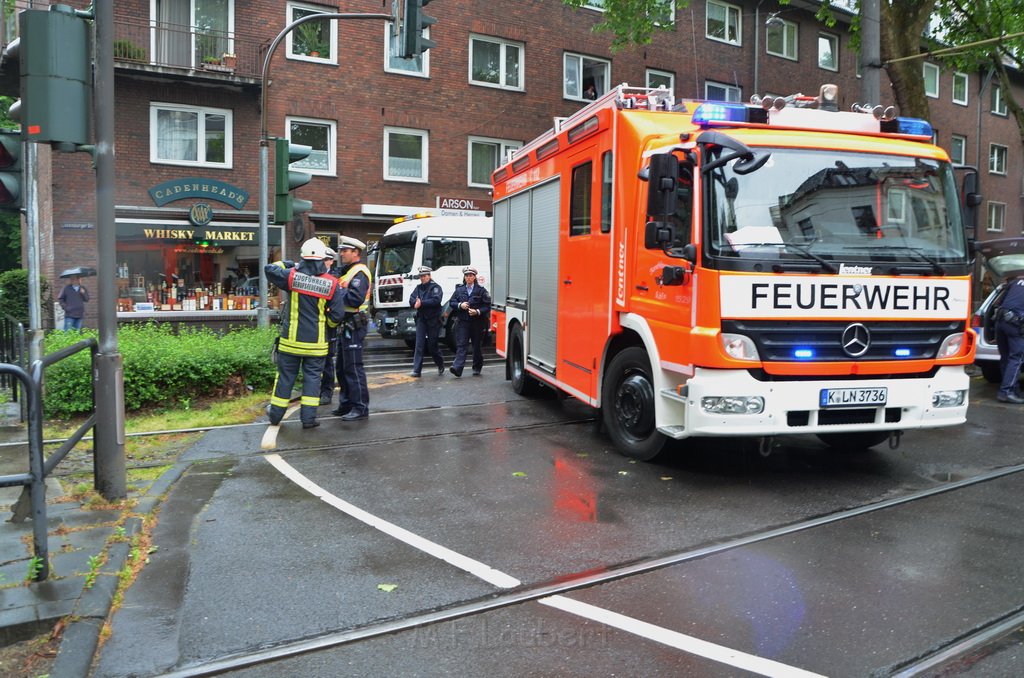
(951, 346)
(732, 404)
(948, 398)
(739, 347)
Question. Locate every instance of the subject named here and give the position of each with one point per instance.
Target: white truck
(444, 243)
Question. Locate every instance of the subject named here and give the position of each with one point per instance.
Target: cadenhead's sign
(192, 188)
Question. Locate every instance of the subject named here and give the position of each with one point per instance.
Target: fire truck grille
(818, 341)
(391, 293)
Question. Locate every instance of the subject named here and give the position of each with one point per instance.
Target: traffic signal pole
(110, 473)
(263, 313)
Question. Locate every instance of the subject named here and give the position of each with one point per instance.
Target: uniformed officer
(327, 378)
(471, 304)
(1009, 316)
(354, 401)
(427, 298)
(314, 301)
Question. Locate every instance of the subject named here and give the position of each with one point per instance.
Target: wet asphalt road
(530, 490)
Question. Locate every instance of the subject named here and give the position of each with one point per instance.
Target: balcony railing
(188, 48)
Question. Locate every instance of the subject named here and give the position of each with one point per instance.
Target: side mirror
(972, 199)
(428, 253)
(658, 235)
(662, 176)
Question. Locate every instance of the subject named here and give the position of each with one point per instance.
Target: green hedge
(160, 367)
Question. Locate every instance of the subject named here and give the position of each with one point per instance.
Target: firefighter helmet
(314, 248)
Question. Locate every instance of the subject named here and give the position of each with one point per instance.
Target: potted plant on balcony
(229, 60)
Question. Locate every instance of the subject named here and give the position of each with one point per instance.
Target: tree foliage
(632, 22)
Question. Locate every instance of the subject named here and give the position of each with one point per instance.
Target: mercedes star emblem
(856, 339)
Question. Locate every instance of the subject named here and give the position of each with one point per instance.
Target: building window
(997, 159)
(669, 17)
(996, 216)
(579, 203)
(723, 23)
(781, 38)
(174, 44)
(896, 209)
(484, 157)
(717, 91)
(997, 104)
(188, 135)
(585, 78)
(828, 51)
(419, 65)
(931, 79)
(594, 4)
(661, 79)
(494, 62)
(314, 40)
(958, 149)
(405, 154)
(960, 83)
(321, 136)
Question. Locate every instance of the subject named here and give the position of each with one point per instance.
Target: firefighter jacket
(430, 295)
(356, 297)
(314, 303)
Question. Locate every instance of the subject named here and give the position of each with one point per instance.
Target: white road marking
(658, 634)
(269, 440)
(474, 567)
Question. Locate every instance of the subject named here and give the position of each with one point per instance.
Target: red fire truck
(717, 269)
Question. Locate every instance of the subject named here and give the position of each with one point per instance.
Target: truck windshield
(396, 253)
(820, 206)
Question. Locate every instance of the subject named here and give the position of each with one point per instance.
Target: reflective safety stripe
(351, 273)
(303, 347)
(280, 402)
(310, 400)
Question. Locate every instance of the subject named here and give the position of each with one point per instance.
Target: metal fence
(13, 350)
(189, 48)
(33, 498)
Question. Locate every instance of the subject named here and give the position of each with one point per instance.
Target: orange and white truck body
(708, 269)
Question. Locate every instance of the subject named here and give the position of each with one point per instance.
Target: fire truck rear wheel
(628, 401)
(522, 382)
(852, 442)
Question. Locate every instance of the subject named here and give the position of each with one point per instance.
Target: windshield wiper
(788, 246)
(916, 251)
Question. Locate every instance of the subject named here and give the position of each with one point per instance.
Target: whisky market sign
(212, 235)
(193, 188)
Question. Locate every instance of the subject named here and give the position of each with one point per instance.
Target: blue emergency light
(803, 353)
(909, 126)
(902, 353)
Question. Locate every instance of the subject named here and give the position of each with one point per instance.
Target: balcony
(188, 51)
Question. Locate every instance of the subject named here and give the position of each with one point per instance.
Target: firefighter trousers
(354, 395)
(288, 366)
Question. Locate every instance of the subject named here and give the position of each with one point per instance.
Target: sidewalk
(80, 539)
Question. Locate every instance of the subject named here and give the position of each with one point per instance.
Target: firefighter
(327, 378)
(1009, 316)
(427, 298)
(315, 300)
(471, 305)
(354, 396)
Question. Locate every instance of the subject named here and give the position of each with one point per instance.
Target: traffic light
(414, 21)
(287, 180)
(10, 170)
(56, 76)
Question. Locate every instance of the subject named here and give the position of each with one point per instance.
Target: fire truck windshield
(819, 207)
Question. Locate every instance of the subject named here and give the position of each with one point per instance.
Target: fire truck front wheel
(627, 405)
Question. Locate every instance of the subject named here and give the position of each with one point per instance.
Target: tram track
(988, 633)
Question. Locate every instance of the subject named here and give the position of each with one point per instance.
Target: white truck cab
(444, 243)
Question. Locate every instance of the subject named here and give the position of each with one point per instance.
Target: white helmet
(314, 248)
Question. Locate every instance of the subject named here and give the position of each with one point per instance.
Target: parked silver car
(1003, 258)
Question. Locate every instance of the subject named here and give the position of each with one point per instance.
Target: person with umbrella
(72, 299)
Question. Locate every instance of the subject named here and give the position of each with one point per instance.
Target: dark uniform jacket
(478, 299)
(314, 302)
(430, 295)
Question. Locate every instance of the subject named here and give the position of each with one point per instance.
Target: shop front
(177, 270)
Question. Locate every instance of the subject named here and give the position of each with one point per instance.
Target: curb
(81, 636)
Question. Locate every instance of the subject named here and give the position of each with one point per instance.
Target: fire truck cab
(714, 269)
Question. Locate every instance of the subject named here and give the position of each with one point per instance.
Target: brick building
(394, 136)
